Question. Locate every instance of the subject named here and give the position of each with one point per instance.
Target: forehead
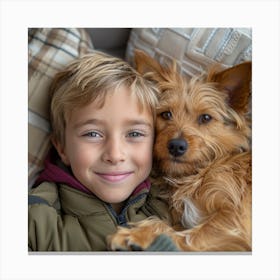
(120, 93)
(113, 106)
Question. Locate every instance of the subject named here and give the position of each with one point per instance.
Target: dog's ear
(153, 70)
(236, 81)
(144, 63)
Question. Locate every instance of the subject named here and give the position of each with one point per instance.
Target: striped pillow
(49, 50)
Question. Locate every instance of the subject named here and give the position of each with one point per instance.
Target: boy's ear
(61, 151)
(236, 81)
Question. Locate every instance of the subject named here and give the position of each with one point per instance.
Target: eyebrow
(139, 122)
(130, 122)
(89, 121)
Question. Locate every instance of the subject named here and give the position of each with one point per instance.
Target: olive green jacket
(62, 218)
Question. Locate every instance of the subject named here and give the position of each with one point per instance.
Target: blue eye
(92, 134)
(134, 134)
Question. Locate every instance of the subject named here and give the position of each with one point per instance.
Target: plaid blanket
(49, 50)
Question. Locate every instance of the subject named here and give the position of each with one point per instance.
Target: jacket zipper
(121, 218)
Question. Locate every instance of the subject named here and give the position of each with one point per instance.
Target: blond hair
(89, 78)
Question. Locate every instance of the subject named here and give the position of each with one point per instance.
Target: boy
(96, 178)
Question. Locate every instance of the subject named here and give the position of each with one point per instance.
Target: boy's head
(102, 114)
(90, 78)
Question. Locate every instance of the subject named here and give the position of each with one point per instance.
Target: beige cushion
(49, 51)
(194, 49)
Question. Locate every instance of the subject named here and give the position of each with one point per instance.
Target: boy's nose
(114, 152)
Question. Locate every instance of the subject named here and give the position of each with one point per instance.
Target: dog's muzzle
(177, 147)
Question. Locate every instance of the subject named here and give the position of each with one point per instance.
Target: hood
(56, 172)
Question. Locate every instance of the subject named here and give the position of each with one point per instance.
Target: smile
(114, 177)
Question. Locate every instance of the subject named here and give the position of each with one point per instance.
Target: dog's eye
(204, 118)
(167, 115)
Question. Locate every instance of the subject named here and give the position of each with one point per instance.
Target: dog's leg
(210, 236)
(139, 236)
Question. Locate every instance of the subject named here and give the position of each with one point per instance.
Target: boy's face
(109, 149)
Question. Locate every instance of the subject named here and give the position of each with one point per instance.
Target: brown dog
(203, 157)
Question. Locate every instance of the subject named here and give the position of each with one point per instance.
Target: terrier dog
(202, 157)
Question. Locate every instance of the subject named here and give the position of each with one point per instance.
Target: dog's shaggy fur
(202, 156)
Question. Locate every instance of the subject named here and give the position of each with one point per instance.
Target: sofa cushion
(194, 49)
(49, 50)
(110, 40)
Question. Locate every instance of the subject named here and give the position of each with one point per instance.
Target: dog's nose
(177, 147)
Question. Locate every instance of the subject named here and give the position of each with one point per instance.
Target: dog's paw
(128, 240)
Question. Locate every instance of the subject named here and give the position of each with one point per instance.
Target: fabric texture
(63, 218)
(163, 243)
(194, 49)
(49, 50)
